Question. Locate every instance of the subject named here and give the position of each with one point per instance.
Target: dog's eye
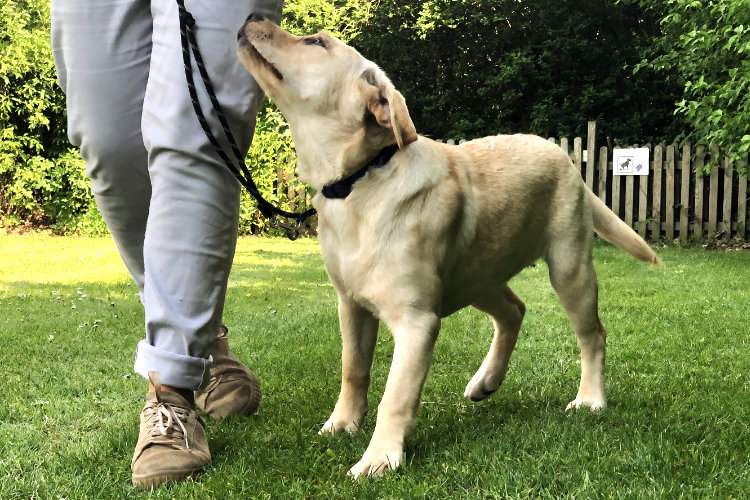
(315, 41)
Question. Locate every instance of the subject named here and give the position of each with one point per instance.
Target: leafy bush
(41, 180)
(53, 192)
(705, 49)
(473, 68)
(467, 68)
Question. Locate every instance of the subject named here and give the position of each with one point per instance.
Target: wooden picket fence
(676, 200)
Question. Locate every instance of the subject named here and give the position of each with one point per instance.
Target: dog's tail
(611, 228)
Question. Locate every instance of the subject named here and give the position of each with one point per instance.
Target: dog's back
(522, 190)
(524, 193)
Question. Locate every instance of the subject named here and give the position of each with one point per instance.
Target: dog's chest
(352, 259)
(377, 270)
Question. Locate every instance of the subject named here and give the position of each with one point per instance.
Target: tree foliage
(470, 68)
(705, 48)
(41, 179)
(646, 70)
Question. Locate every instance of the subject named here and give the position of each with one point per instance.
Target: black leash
(240, 171)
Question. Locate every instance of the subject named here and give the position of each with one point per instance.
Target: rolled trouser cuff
(175, 370)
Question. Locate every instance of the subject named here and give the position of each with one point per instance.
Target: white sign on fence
(630, 161)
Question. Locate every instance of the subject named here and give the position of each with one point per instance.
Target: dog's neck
(343, 187)
(337, 156)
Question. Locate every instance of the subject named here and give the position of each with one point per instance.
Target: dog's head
(342, 109)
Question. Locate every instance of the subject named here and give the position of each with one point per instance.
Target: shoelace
(164, 411)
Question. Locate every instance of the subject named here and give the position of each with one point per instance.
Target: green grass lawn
(678, 386)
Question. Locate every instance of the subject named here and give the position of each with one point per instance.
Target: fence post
(643, 182)
(669, 204)
(629, 180)
(713, 192)
(726, 220)
(616, 194)
(591, 154)
(577, 154)
(656, 190)
(698, 209)
(603, 151)
(684, 192)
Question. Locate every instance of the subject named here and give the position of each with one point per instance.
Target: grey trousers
(170, 204)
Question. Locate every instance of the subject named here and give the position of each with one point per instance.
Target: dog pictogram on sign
(630, 161)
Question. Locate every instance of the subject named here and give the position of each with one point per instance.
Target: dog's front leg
(414, 336)
(359, 334)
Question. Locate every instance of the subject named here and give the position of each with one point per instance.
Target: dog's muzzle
(252, 18)
(248, 46)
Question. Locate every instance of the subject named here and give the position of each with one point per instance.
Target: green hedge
(42, 179)
(466, 67)
(473, 68)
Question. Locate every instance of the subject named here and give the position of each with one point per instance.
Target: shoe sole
(254, 403)
(149, 481)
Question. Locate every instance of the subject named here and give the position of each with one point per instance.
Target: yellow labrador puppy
(412, 230)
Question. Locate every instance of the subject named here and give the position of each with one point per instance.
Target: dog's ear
(388, 107)
(403, 127)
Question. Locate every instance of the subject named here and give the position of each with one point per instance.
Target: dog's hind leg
(359, 334)
(573, 277)
(507, 312)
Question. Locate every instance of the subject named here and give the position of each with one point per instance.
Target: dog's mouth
(253, 51)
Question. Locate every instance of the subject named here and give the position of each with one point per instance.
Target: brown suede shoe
(172, 443)
(233, 389)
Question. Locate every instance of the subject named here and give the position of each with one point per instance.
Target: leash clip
(292, 229)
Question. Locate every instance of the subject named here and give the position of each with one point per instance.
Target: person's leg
(192, 224)
(102, 53)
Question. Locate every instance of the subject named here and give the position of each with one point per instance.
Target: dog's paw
(335, 425)
(376, 463)
(593, 404)
(481, 385)
(347, 416)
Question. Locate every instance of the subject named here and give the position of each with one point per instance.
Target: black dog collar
(343, 188)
